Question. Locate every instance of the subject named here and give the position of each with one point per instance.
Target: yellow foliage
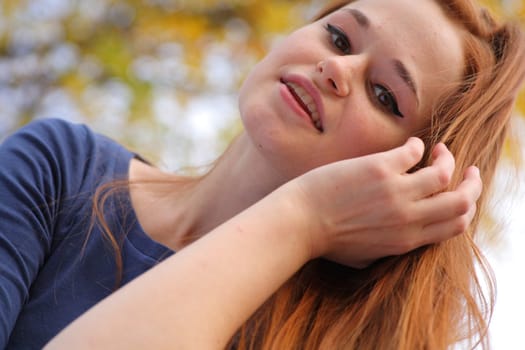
(112, 50)
(178, 27)
(274, 16)
(74, 83)
(520, 106)
(8, 7)
(493, 5)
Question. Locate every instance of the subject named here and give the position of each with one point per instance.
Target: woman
(324, 170)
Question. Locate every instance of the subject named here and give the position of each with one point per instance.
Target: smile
(307, 103)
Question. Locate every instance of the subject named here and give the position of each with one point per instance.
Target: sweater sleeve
(33, 162)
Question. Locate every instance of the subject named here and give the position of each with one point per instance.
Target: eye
(386, 100)
(339, 39)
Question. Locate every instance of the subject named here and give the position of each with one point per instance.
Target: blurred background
(161, 76)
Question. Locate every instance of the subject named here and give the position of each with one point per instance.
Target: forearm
(201, 295)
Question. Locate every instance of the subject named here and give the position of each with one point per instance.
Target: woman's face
(359, 81)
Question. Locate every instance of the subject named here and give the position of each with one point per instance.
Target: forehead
(418, 33)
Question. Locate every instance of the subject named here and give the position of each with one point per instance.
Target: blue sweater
(51, 269)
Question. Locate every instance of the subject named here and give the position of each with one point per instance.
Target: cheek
(300, 47)
(249, 85)
(363, 135)
(251, 100)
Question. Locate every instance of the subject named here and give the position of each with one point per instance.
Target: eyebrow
(403, 72)
(400, 68)
(360, 18)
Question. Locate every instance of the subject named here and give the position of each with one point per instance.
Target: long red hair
(437, 295)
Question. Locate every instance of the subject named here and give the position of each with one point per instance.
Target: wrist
(291, 204)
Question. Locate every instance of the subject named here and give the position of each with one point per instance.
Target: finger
(451, 204)
(404, 157)
(471, 183)
(441, 231)
(433, 178)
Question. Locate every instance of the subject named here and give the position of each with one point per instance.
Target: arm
(200, 296)
(29, 203)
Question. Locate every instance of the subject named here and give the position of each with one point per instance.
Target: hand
(362, 209)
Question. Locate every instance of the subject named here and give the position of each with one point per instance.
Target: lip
(307, 85)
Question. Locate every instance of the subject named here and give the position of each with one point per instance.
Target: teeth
(308, 101)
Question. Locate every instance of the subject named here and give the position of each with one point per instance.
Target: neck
(240, 178)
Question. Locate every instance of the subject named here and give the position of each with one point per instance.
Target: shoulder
(47, 138)
(62, 153)
(48, 134)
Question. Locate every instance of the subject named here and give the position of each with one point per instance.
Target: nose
(336, 74)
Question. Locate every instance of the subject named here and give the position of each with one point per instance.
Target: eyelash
(337, 34)
(339, 40)
(393, 108)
